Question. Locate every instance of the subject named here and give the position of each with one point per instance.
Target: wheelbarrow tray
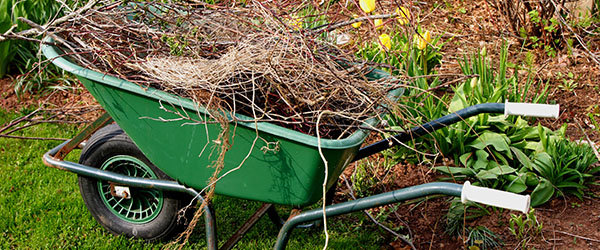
(292, 174)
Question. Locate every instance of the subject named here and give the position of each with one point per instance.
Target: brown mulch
(77, 97)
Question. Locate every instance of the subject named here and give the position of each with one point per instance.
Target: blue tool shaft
(429, 127)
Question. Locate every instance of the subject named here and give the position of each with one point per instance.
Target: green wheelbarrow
(137, 171)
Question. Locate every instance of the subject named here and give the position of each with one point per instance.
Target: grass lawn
(40, 207)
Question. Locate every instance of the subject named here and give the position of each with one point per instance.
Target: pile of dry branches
(241, 60)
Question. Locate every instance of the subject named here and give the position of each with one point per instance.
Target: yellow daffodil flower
(385, 41)
(356, 25)
(295, 22)
(403, 15)
(378, 24)
(423, 40)
(367, 5)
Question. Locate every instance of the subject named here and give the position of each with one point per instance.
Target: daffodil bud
(356, 25)
(295, 22)
(385, 41)
(474, 82)
(367, 5)
(403, 15)
(423, 40)
(378, 24)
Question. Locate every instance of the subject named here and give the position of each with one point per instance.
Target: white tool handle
(495, 198)
(531, 109)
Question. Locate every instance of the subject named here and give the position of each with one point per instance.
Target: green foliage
(460, 212)
(364, 176)
(479, 237)
(22, 57)
(404, 57)
(568, 82)
(483, 238)
(527, 158)
(38, 11)
(464, 137)
(567, 165)
(542, 31)
(32, 77)
(177, 44)
(362, 179)
(525, 229)
(310, 17)
(594, 115)
(494, 150)
(418, 105)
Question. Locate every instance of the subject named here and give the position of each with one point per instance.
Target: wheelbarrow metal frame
(54, 158)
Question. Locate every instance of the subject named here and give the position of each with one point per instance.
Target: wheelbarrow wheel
(134, 212)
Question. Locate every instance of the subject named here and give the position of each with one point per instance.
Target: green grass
(40, 207)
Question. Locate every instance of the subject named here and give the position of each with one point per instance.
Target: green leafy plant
(540, 29)
(23, 56)
(568, 82)
(594, 114)
(364, 177)
(486, 87)
(479, 237)
(567, 165)
(502, 152)
(525, 229)
(31, 77)
(460, 212)
(39, 11)
(418, 104)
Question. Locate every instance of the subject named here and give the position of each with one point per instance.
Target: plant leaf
(543, 164)
(542, 193)
(459, 100)
(455, 170)
(516, 184)
(464, 158)
(523, 159)
(495, 172)
(498, 141)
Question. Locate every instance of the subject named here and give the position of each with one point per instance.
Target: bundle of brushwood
(245, 60)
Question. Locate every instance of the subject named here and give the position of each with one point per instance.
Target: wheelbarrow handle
(508, 108)
(531, 109)
(496, 198)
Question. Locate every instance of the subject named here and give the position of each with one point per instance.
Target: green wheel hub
(144, 204)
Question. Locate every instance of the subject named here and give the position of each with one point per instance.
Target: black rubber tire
(112, 141)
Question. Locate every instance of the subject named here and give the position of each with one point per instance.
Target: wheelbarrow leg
(102, 121)
(237, 236)
(278, 221)
(210, 225)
